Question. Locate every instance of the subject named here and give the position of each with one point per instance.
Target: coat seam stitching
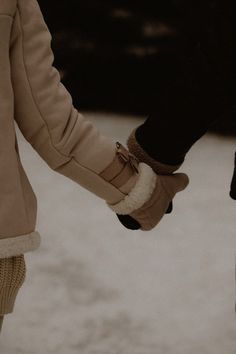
(31, 90)
(39, 111)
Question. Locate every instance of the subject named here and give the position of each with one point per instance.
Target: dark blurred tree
(120, 56)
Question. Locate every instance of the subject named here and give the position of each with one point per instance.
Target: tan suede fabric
(12, 276)
(33, 96)
(69, 143)
(13, 214)
(15, 218)
(8, 7)
(167, 186)
(18, 202)
(150, 214)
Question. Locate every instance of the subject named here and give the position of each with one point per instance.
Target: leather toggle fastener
(127, 157)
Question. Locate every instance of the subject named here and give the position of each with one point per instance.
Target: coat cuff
(15, 246)
(140, 194)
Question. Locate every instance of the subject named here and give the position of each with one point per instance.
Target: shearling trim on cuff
(15, 246)
(140, 193)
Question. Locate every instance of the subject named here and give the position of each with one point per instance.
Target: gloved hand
(131, 221)
(150, 214)
(150, 196)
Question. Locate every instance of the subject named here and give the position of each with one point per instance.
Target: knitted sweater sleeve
(12, 276)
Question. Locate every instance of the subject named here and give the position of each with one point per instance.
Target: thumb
(176, 183)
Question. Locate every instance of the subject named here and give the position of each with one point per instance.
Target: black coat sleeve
(196, 82)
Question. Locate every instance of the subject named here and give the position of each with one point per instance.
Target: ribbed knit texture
(139, 194)
(12, 276)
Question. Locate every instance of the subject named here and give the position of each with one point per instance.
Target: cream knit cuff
(12, 276)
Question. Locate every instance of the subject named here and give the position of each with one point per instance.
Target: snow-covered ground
(94, 287)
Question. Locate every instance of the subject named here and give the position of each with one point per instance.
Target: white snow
(94, 287)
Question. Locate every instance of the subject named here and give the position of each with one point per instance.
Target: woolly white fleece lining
(14, 246)
(140, 193)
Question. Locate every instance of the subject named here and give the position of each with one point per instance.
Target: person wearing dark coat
(198, 86)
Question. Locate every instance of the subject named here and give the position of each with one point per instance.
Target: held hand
(147, 196)
(161, 169)
(150, 214)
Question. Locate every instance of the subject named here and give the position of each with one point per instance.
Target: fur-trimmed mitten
(160, 168)
(150, 196)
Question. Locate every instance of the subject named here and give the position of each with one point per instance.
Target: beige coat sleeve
(44, 111)
(68, 142)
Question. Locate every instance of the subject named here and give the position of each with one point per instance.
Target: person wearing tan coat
(32, 95)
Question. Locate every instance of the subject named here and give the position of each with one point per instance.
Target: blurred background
(94, 287)
(119, 56)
